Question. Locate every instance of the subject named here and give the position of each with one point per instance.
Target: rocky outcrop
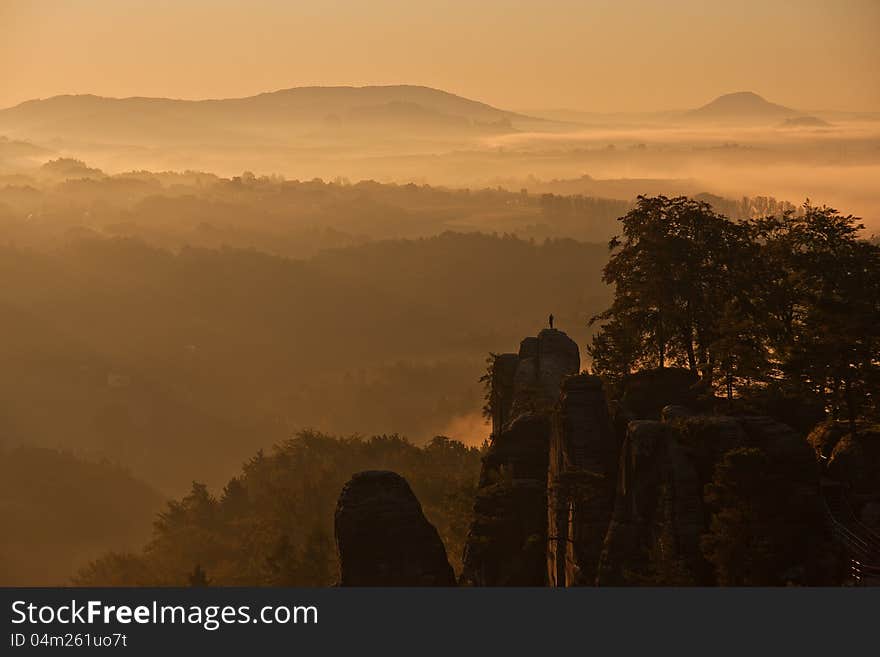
(645, 393)
(631, 500)
(663, 493)
(852, 460)
(383, 537)
(663, 510)
(507, 540)
(543, 362)
(787, 450)
(581, 481)
(503, 372)
(653, 536)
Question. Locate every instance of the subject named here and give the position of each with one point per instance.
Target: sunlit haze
(598, 55)
(304, 293)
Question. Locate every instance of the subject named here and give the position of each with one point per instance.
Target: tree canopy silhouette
(785, 300)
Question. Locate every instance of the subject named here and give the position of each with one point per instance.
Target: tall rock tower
(507, 541)
(383, 537)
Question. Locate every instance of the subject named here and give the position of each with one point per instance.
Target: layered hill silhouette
(301, 111)
(321, 113)
(14, 151)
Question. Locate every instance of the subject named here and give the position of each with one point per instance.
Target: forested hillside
(59, 511)
(272, 524)
(154, 358)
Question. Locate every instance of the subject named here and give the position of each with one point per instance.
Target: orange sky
(601, 55)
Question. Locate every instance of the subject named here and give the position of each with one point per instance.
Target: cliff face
(384, 539)
(581, 481)
(647, 393)
(506, 544)
(682, 505)
(658, 514)
(542, 364)
(657, 495)
(852, 460)
(569, 495)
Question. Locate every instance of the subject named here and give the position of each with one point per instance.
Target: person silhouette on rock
(551, 320)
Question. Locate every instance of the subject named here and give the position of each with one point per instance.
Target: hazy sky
(601, 55)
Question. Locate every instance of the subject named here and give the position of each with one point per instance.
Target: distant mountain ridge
(406, 107)
(322, 111)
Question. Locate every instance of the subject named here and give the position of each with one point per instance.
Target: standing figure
(551, 320)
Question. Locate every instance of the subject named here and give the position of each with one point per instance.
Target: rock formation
(662, 511)
(581, 481)
(507, 540)
(853, 461)
(542, 364)
(646, 393)
(663, 493)
(383, 537)
(653, 536)
(629, 501)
